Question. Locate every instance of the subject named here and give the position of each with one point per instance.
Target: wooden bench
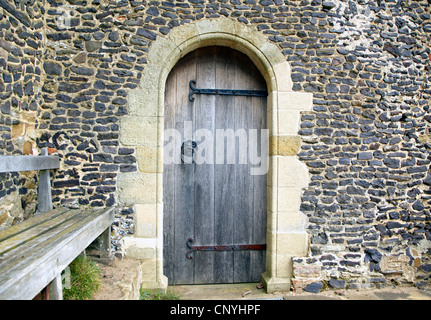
(34, 252)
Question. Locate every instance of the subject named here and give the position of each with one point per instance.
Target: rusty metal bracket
(226, 92)
(232, 247)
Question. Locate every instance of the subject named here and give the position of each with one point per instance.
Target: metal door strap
(232, 247)
(228, 92)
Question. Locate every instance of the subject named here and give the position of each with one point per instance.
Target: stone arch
(142, 129)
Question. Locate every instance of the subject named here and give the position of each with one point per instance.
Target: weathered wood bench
(34, 252)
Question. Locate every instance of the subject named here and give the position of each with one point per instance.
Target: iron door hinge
(231, 247)
(228, 92)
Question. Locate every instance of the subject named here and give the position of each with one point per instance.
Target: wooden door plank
(184, 175)
(258, 258)
(176, 111)
(224, 177)
(249, 265)
(204, 173)
(244, 220)
(259, 120)
(169, 179)
(244, 215)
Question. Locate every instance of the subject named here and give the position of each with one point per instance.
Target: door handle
(188, 151)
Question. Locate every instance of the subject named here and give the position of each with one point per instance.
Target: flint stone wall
(68, 66)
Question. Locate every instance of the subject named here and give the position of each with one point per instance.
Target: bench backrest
(42, 163)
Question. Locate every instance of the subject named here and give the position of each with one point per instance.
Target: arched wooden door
(214, 204)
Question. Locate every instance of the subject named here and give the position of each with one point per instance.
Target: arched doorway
(143, 130)
(215, 166)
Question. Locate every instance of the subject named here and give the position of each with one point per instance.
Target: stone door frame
(142, 129)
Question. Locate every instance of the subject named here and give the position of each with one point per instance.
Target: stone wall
(366, 144)
(21, 52)
(68, 67)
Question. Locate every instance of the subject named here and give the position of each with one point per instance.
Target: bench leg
(102, 248)
(56, 289)
(44, 202)
(105, 243)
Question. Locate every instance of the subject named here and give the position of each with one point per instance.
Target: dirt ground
(118, 280)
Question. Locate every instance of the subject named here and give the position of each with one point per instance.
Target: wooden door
(220, 203)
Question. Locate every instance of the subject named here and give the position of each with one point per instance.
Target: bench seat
(33, 253)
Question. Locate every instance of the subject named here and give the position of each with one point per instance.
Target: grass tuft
(158, 295)
(85, 279)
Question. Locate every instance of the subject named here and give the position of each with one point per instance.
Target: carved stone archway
(142, 129)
